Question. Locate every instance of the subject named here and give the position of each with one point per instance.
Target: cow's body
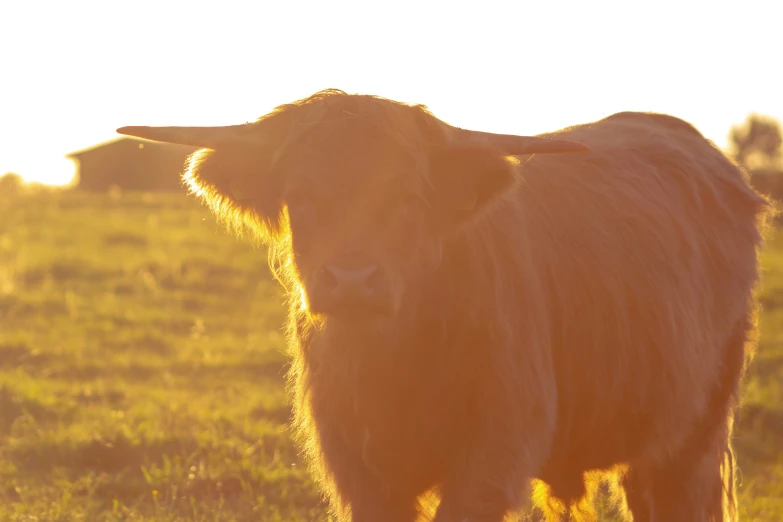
(594, 316)
(649, 245)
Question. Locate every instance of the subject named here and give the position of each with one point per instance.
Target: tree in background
(757, 142)
(10, 183)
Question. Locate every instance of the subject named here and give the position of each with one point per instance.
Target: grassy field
(141, 370)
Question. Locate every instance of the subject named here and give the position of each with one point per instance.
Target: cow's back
(648, 246)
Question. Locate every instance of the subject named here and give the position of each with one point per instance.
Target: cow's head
(359, 192)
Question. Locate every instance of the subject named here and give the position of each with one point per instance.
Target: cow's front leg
(371, 504)
(361, 497)
(494, 482)
(491, 475)
(361, 494)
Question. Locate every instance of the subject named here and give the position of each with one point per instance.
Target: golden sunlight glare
(524, 68)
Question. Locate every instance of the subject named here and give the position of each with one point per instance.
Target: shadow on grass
(67, 271)
(198, 373)
(143, 344)
(14, 355)
(13, 406)
(12, 307)
(280, 415)
(174, 473)
(125, 238)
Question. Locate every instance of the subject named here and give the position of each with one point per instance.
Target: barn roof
(124, 141)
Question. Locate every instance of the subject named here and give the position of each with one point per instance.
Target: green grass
(141, 370)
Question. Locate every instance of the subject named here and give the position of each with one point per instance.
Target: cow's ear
(467, 181)
(238, 185)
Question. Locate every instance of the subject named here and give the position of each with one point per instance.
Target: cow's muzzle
(349, 289)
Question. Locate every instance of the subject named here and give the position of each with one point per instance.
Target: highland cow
(478, 318)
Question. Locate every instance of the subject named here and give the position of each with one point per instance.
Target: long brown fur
(588, 313)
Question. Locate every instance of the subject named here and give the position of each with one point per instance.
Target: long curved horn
(518, 145)
(204, 137)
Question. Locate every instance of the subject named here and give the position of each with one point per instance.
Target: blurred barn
(131, 164)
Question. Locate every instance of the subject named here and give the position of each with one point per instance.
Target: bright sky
(72, 72)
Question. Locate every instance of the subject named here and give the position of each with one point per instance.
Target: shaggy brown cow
(469, 318)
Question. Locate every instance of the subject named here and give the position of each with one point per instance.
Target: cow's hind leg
(689, 488)
(697, 482)
(636, 486)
